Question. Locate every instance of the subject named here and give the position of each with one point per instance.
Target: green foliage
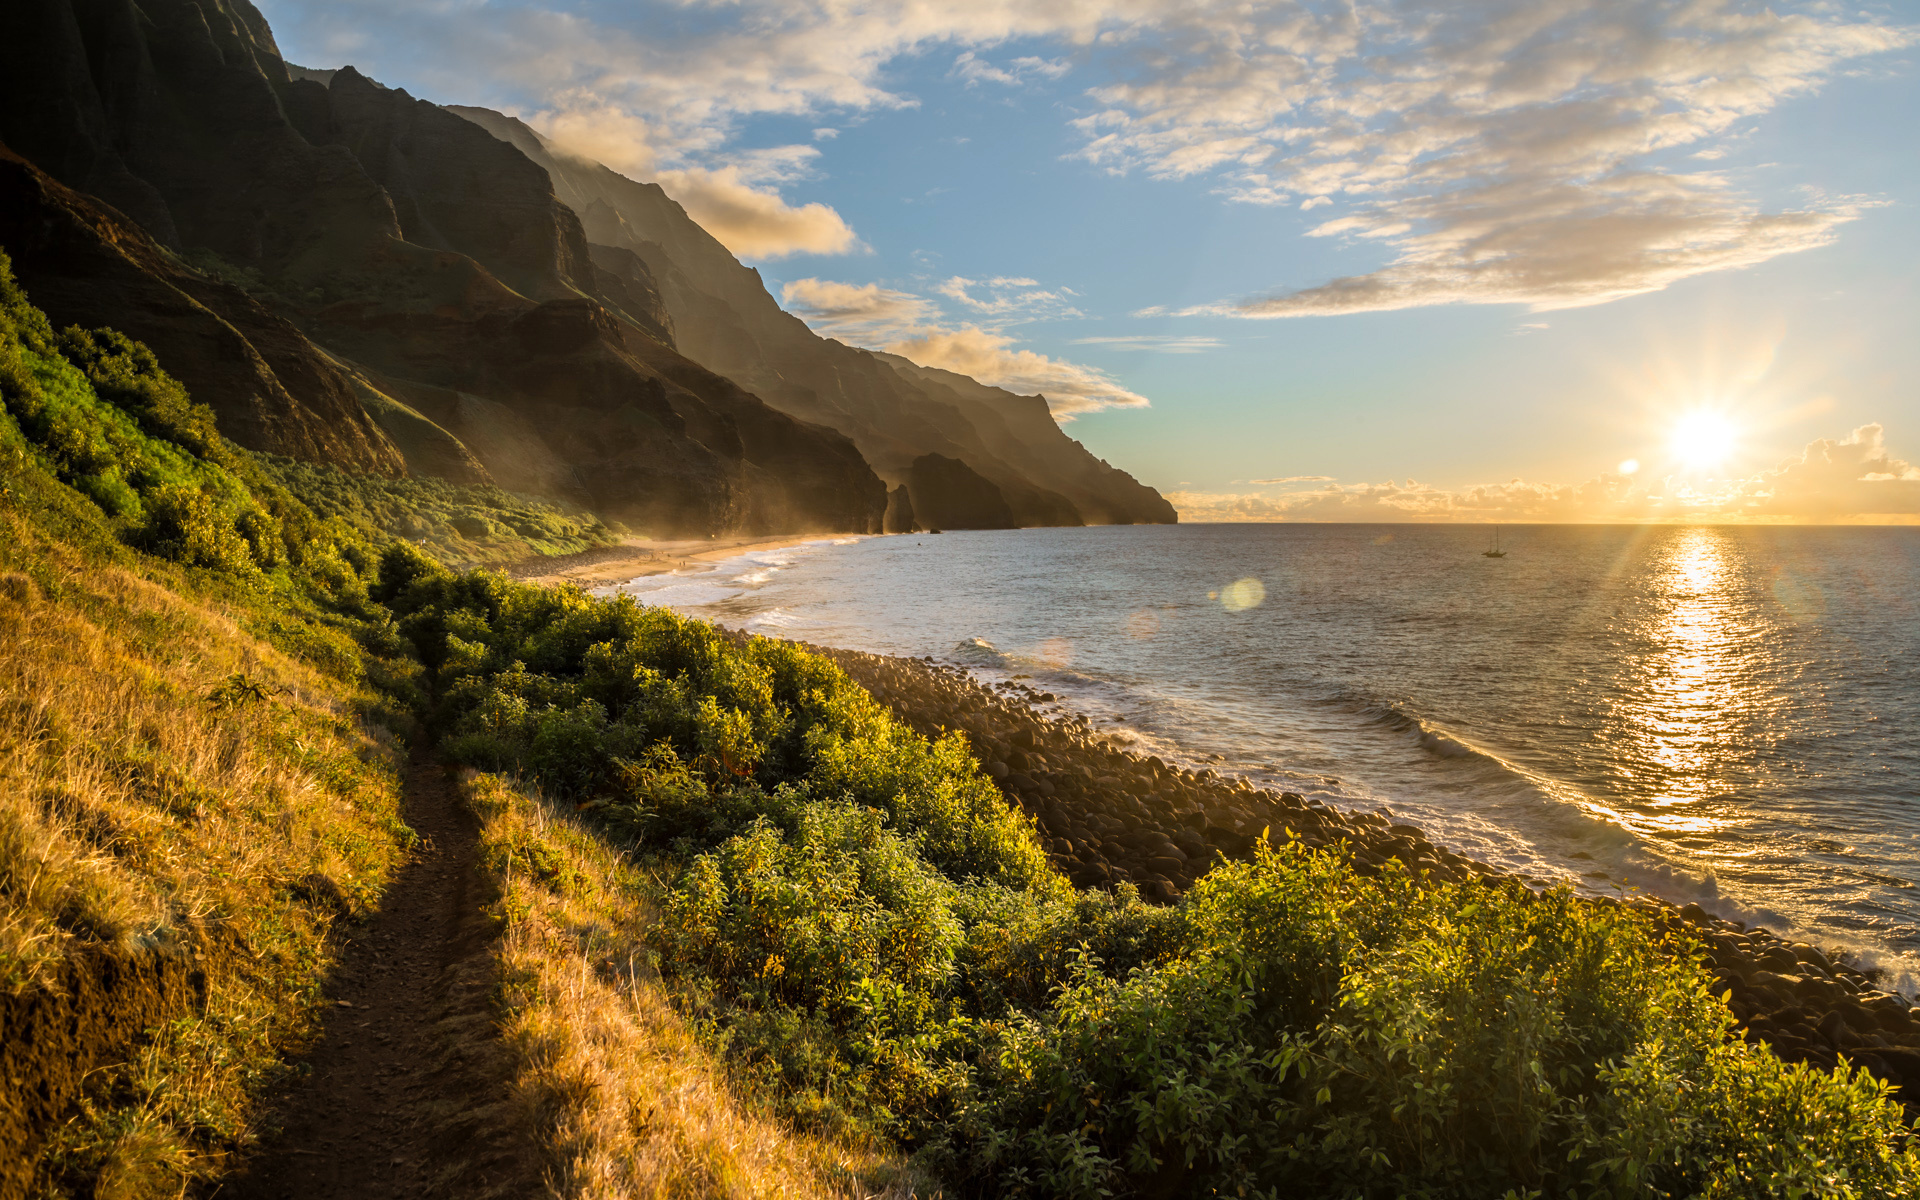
(825, 853)
(96, 408)
(458, 524)
(874, 935)
(1318, 1033)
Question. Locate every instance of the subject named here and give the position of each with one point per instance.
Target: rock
(269, 387)
(948, 493)
(899, 517)
(894, 410)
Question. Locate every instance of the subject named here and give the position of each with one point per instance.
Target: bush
(876, 938)
(1318, 1033)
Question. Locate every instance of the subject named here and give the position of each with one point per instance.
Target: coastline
(636, 558)
(1110, 816)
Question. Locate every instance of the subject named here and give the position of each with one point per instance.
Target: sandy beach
(634, 558)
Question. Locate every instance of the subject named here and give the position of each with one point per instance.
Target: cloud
(1551, 154)
(974, 70)
(1500, 152)
(861, 314)
(1854, 479)
(756, 223)
(1163, 343)
(1070, 388)
(1009, 298)
(914, 327)
(1295, 479)
(739, 203)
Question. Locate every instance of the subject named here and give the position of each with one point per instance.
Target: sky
(1471, 261)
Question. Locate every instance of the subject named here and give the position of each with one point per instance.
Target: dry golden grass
(135, 812)
(625, 1100)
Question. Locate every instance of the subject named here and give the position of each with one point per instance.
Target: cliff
(350, 275)
(894, 410)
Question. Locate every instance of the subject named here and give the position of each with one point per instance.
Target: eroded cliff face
(268, 386)
(895, 411)
(351, 275)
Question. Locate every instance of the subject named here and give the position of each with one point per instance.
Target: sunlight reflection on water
(1724, 714)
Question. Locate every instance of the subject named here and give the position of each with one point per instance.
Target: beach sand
(634, 558)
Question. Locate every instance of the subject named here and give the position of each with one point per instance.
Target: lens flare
(1243, 594)
(1143, 624)
(1629, 466)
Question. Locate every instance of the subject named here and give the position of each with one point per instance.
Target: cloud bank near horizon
(1853, 479)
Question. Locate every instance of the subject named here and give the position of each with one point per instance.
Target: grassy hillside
(199, 758)
(755, 935)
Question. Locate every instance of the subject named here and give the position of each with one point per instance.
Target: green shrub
(1317, 1033)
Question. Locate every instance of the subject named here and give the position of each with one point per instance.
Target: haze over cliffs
(350, 275)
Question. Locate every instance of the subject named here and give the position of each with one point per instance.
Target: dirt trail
(406, 1089)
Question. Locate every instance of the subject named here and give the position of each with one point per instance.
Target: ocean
(1727, 715)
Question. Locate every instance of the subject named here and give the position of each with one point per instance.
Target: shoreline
(1109, 815)
(637, 558)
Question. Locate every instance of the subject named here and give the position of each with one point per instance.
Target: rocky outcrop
(895, 412)
(948, 494)
(899, 518)
(169, 111)
(268, 386)
(350, 275)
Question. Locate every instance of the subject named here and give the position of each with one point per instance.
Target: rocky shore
(1109, 815)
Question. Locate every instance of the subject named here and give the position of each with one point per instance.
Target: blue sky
(1564, 228)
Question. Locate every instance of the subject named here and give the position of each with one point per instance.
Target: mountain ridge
(351, 275)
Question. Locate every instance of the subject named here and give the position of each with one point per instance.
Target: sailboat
(1493, 549)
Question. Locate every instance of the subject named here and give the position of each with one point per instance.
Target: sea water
(1729, 715)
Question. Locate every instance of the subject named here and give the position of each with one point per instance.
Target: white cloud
(1163, 343)
(915, 328)
(1070, 388)
(1009, 298)
(738, 203)
(1854, 479)
(860, 314)
(1500, 151)
(1509, 151)
(973, 70)
(755, 222)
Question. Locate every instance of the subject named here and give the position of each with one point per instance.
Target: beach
(636, 558)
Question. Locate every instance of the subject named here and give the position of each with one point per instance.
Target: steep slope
(896, 412)
(270, 388)
(388, 255)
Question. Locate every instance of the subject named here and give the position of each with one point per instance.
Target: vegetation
(457, 524)
(191, 758)
(629, 1102)
(853, 919)
(758, 937)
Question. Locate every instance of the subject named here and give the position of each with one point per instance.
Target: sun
(1703, 438)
